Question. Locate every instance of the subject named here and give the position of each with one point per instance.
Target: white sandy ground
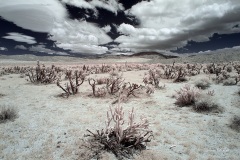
(51, 128)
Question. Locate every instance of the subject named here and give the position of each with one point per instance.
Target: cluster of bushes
(191, 96)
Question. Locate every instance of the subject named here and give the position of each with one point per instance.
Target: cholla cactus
(152, 77)
(114, 84)
(120, 138)
(97, 92)
(43, 75)
(75, 80)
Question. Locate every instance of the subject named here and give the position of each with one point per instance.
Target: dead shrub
(122, 139)
(7, 113)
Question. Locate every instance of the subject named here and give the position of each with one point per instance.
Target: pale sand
(50, 127)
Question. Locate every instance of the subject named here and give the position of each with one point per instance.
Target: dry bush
(100, 81)
(186, 96)
(211, 93)
(205, 105)
(229, 69)
(130, 88)
(1, 95)
(235, 123)
(181, 73)
(75, 81)
(152, 77)
(7, 113)
(230, 82)
(202, 84)
(114, 84)
(41, 74)
(122, 139)
(149, 89)
(97, 92)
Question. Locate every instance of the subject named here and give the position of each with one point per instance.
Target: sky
(95, 27)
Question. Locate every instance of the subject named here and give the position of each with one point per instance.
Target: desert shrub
(7, 113)
(149, 89)
(238, 92)
(235, 123)
(230, 82)
(186, 96)
(122, 139)
(131, 88)
(41, 74)
(152, 77)
(202, 84)
(75, 79)
(181, 73)
(97, 91)
(100, 81)
(205, 105)
(229, 68)
(211, 93)
(114, 84)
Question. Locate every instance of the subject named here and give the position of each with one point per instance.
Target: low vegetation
(43, 75)
(205, 106)
(235, 123)
(186, 96)
(7, 114)
(202, 84)
(121, 138)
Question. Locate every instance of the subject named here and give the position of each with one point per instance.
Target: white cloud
(77, 3)
(170, 24)
(42, 48)
(20, 47)
(79, 36)
(106, 28)
(84, 48)
(110, 5)
(33, 15)
(3, 49)
(20, 38)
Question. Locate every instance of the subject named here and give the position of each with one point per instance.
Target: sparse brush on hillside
(7, 114)
(122, 139)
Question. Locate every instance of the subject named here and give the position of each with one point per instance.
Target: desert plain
(51, 126)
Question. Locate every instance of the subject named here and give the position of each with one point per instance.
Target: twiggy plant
(121, 139)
